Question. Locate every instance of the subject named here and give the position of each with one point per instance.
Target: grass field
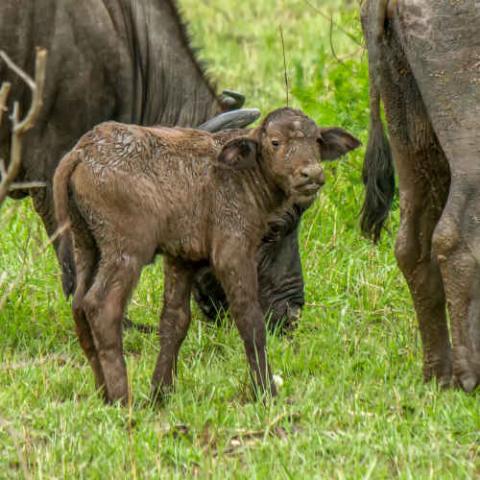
(352, 405)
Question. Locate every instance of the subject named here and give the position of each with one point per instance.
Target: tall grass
(352, 404)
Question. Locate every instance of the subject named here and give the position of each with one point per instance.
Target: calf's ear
(335, 142)
(239, 153)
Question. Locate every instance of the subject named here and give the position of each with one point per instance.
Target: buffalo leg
(413, 251)
(424, 182)
(441, 43)
(456, 245)
(239, 281)
(174, 322)
(104, 306)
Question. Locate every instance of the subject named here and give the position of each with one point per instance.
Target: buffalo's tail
(61, 181)
(378, 171)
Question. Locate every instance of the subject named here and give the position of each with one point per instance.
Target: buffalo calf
(132, 192)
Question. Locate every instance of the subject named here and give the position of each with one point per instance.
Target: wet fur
(134, 192)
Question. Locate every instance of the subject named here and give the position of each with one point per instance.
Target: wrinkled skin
(106, 63)
(136, 192)
(424, 61)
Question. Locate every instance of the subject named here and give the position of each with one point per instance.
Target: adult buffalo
(424, 61)
(132, 62)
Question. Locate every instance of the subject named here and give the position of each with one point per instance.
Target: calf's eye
(275, 143)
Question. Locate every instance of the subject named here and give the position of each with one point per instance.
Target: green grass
(353, 404)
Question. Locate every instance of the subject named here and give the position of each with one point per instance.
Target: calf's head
(291, 148)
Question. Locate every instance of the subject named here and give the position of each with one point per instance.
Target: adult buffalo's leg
(424, 179)
(441, 42)
(239, 280)
(174, 322)
(420, 208)
(456, 245)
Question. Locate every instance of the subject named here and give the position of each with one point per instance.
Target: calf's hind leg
(85, 262)
(174, 322)
(104, 306)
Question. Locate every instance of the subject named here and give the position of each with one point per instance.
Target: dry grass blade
(59, 359)
(16, 438)
(246, 438)
(284, 64)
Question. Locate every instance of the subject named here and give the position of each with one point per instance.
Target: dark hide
(424, 60)
(109, 60)
(281, 288)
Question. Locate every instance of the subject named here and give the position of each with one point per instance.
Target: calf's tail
(378, 171)
(61, 181)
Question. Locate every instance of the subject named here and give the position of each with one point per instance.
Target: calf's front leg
(238, 275)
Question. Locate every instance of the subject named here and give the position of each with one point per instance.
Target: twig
(339, 60)
(324, 15)
(20, 127)
(22, 74)
(284, 63)
(4, 91)
(26, 185)
(16, 440)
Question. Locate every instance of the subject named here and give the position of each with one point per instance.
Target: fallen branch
(20, 127)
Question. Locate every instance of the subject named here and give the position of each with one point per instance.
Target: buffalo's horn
(231, 100)
(228, 120)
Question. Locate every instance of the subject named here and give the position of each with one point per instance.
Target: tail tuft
(61, 181)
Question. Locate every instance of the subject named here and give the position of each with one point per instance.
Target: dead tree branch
(4, 91)
(20, 127)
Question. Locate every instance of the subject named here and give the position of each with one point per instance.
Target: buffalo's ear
(239, 153)
(335, 142)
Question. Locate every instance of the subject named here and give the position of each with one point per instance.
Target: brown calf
(132, 192)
